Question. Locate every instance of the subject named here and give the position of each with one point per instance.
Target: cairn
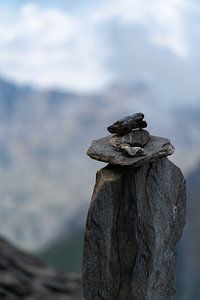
(129, 144)
(136, 216)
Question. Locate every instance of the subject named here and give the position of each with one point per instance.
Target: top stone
(127, 124)
(129, 144)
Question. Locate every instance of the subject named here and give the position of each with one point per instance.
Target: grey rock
(25, 277)
(135, 219)
(135, 138)
(126, 124)
(131, 151)
(155, 148)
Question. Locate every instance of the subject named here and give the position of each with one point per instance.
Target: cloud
(49, 47)
(164, 20)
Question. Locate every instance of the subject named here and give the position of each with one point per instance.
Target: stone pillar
(135, 219)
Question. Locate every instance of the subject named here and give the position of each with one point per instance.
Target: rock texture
(135, 218)
(126, 124)
(25, 277)
(155, 148)
(131, 151)
(133, 138)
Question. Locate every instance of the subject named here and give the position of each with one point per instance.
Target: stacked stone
(129, 143)
(136, 216)
(129, 137)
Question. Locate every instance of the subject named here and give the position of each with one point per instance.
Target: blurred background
(67, 70)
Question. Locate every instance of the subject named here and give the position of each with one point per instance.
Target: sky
(86, 46)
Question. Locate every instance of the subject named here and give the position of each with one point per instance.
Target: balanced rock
(125, 125)
(130, 144)
(131, 151)
(135, 138)
(136, 216)
(155, 148)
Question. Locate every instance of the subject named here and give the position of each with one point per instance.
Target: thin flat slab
(156, 147)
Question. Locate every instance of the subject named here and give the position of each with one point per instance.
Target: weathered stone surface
(155, 148)
(135, 138)
(126, 124)
(131, 151)
(135, 218)
(25, 277)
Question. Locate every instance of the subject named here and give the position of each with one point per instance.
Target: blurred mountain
(66, 254)
(189, 263)
(46, 178)
(25, 276)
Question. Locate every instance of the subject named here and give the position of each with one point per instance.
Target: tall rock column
(135, 219)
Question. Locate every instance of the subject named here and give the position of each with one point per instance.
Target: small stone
(131, 151)
(135, 138)
(126, 124)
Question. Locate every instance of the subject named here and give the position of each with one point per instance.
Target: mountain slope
(24, 276)
(66, 254)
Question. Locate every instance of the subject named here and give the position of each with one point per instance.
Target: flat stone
(126, 124)
(155, 148)
(135, 138)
